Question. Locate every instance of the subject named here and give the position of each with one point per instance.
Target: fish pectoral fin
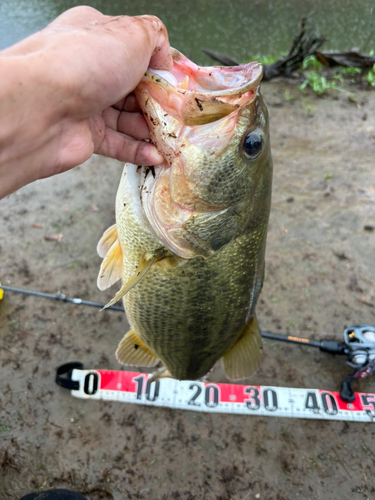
(243, 359)
(111, 267)
(133, 351)
(160, 373)
(147, 260)
(107, 240)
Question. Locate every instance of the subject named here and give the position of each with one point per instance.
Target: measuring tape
(135, 388)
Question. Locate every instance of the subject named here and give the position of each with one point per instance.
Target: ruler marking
(134, 388)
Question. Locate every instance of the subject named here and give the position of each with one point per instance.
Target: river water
(241, 28)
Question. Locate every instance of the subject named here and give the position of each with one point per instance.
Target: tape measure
(135, 388)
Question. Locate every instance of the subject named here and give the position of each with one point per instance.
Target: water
(240, 28)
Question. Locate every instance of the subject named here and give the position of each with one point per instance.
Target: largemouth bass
(190, 234)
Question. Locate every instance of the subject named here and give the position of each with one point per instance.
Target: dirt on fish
(320, 278)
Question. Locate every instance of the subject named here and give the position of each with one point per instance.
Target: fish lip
(250, 74)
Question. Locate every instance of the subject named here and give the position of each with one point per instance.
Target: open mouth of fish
(192, 113)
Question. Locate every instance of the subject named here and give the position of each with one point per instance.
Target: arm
(66, 94)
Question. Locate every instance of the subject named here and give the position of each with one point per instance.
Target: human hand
(70, 94)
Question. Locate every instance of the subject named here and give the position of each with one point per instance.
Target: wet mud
(320, 278)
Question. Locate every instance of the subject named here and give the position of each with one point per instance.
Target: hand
(69, 94)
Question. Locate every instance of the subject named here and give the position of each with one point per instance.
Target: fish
(190, 234)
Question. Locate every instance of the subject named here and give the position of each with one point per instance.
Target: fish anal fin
(107, 240)
(147, 260)
(243, 359)
(160, 373)
(133, 351)
(111, 267)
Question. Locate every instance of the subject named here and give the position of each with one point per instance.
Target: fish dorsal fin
(111, 268)
(147, 260)
(107, 240)
(243, 359)
(133, 351)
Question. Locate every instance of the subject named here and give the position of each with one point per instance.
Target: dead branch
(305, 44)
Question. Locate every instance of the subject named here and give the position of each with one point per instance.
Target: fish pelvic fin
(133, 351)
(107, 240)
(147, 260)
(111, 267)
(243, 359)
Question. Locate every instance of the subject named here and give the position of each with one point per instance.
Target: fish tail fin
(243, 359)
(133, 351)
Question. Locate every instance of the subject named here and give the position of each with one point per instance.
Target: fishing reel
(360, 350)
(358, 347)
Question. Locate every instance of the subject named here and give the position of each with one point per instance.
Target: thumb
(161, 57)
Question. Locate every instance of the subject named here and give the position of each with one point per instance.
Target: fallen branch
(352, 58)
(304, 45)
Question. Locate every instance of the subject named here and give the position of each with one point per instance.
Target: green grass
(370, 78)
(313, 69)
(267, 60)
(351, 71)
(319, 84)
(312, 63)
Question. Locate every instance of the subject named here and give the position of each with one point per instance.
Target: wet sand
(320, 278)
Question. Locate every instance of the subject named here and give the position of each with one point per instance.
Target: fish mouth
(182, 100)
(195, 95)
(221, 81)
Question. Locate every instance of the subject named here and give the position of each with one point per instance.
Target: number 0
(91, 383)
(267, 405)
(211, 396)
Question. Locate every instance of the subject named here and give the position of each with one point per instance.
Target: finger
(125, 148)
(82, 16)
(129, 103)
(77, 17)
(161, 57)
(132, 124)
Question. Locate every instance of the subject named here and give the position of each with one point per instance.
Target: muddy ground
(320, 278)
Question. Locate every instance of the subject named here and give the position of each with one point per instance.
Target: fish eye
(252, 145)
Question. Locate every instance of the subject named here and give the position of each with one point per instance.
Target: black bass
(190, 234)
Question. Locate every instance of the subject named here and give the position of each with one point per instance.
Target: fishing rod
(358, 345)
(59, 296)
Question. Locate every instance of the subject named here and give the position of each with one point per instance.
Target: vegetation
(320, 83)
(266, 60)
(317, 78)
